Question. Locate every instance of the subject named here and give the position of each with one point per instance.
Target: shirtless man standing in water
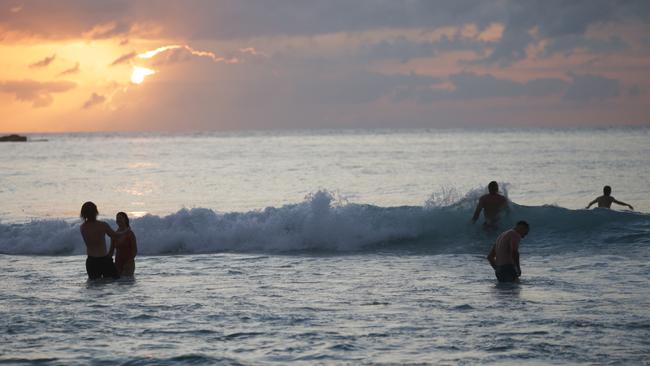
(504, 256)
(606, 199)
(99, 263)
(492, 204)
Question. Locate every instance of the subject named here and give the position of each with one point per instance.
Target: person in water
(606, 199)
(504, 255)
(98, 264)
(492, 204)
(125, 247)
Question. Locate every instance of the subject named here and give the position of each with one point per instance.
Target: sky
(159, 65)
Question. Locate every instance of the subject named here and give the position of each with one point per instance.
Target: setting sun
(139, 73)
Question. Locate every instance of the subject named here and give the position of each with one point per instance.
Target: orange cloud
(104, 30)
(190, 50)
(70, 71)
(124, 58)
(44, 62)
(95, 99)
(38, 93)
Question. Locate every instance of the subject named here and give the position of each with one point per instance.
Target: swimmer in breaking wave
(504, 255)
(606, 200)
(492, 204)
(99, 263)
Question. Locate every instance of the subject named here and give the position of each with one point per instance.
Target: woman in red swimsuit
(125, 247)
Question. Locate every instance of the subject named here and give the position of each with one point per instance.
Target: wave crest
(327, 222)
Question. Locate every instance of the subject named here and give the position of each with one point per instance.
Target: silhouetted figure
(98, 264)
(606, 199)
(491, 204)
(125, 247)
(504, 255)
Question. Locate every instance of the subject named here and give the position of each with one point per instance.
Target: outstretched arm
(592, 202)
(110, 232)
(623, 204)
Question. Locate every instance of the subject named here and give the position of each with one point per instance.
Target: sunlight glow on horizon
(139, 73)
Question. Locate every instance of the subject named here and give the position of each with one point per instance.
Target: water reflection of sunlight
(141, 188)
(136, 214)
(140, 164)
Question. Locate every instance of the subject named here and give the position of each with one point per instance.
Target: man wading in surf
(98, 263)
(504, 256)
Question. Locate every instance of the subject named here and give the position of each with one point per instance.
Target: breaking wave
(324, 222)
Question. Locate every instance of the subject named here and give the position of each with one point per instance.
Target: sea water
(327, 247)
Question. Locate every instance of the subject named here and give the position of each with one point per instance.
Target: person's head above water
(607, 190)
(522, 228)
(89, 211)
(122, 219)
(493, 187)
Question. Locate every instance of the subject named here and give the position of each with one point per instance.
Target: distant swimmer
(491, 204)
(98, 264)
(606, 199)
(504, 256)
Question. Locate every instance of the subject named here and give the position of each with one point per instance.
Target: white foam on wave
(322, 222)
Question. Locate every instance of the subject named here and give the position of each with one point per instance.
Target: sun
(139, 73)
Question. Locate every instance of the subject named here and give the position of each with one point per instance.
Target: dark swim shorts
(506, 273)
(98, 267)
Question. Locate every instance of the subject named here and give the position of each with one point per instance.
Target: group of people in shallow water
(99, 263)
(503, 256)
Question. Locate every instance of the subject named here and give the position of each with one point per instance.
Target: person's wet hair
(523, 223)
(126, 218)
(493, 187)
(89, 211)
(607, 190)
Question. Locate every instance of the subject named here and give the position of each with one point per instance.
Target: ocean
(348, 247)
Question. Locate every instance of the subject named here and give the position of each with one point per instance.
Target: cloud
(94, 100)
(38, 93)
(403, 49)
(124, 58)
(44, 62)
(469, 86)
(354, 87)
(73, 70)
(587, 87)
(107, 30)
(567, 45)
(179, 52)
(230, 20)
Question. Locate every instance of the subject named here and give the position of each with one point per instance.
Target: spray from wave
(326, 222)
